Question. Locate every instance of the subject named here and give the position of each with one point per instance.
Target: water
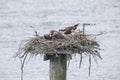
(17, 15)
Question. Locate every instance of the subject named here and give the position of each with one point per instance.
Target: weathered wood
(58, 67)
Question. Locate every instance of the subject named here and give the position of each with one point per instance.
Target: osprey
(54, 35)
(69, 29)
(58, 35)
(47, 36)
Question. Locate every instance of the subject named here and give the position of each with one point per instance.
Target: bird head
(52, 32)
(75, 26)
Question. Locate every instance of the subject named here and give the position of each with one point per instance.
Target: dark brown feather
(47, 36)
(69, 29)
(58, 35)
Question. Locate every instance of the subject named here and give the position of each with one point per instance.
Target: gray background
(17, 15)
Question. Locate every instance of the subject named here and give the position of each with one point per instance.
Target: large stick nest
(72, 44)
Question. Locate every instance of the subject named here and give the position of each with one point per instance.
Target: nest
(74, 43)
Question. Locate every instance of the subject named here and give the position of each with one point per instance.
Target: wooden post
(58, 67)
(83, 29)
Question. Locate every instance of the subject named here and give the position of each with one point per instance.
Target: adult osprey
(69, 29)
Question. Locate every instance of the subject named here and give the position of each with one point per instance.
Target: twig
(81, 57)
(18, 52)
(36, 34)
(29, 58)
(22, 65)
(89, 64)
(94, 58)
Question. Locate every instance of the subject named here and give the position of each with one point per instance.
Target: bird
(53, 34)
(47, 36)
(68, 30)
(58, 35)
